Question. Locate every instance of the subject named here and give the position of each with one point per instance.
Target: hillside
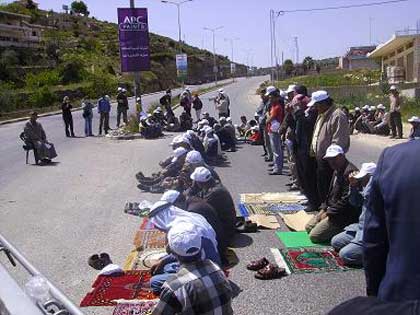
(80, 56)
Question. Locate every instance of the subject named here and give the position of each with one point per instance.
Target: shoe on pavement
(95, 262)
(143, 187)
(294, 188)
(289, 184)
(275, 173)
(105, 259)
(271, 164)
(268, 160)
(265, 154)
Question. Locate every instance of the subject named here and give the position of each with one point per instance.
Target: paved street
(59, 215)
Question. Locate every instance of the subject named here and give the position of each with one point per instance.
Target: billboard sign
(182, 66)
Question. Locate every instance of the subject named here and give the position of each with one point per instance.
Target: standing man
(67, 116)
(391, 236)
(222, 104)
(332, 127)
(223, 95)
(87, 114)
(104, 107)
(197, 105)
(263, 122)
(395, 113)
(166, 102)
(185, 102)
(273, 128)
(122, 106)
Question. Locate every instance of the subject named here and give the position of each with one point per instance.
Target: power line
(282, 12)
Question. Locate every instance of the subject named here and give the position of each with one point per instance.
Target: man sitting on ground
(243, 127)
(214, 193)
(349, 243)
(211, 120)
(185, 121)
(415, 128)
(337, 213)
(199, 286)
(224, 132)
(381, 124)
(35, 134)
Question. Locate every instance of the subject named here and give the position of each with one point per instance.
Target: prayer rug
(143, 260)
(134, 208)
(265, 221)
(139, 308)
(284, 197)
(257, 209)
(242, 211)
(146, 224)
(285, 207)
(270, 209)
(313, 259)
(132, 285)
(297, 221)
(295, 239)
(145, 239)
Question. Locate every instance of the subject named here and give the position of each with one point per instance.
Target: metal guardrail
(60, 304)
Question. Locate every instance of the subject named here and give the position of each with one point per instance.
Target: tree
(79, 7)
(288, 66)
(308, 63)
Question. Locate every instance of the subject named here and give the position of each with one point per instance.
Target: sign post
(182, 67)
(134, 42)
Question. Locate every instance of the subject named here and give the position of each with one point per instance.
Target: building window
(34, 33)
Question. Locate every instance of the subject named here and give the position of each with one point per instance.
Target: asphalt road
(59, 215)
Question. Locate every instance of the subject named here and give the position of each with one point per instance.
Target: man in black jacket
(338, 212)
(122, 106)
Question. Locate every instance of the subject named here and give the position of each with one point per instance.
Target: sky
(320, 34)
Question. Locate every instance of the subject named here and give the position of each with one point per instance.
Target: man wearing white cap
(104, 108)
(331, 127)
(415, 128)
(215, 194)
(226, 134)
(349, 243)
(200, 286)
(395, 113)
(122, 106)
(158, 182)
(222, 104)
(381, 124)
(337, 212)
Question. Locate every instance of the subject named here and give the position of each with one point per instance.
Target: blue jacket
(104, 106)
(392, 226)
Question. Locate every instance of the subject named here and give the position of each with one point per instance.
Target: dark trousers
(324, 175)
(306, 173)
(68, 126)
(223, 115)
(124, 114)
(396, 124)
(104, 122)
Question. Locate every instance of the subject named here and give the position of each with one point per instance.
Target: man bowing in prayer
(35, 134)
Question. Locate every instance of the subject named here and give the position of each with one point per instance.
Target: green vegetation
(80, 55)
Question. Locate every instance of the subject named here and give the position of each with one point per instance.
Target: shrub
(42, 97)
(8, 99)
(45, 78)
(101, 83)
(72, 71)
(133, 124)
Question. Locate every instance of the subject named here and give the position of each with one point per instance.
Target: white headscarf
(169, 216)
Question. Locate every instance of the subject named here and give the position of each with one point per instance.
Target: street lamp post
(178, 5)
(137, 87)
(231, 40)
(213, 30)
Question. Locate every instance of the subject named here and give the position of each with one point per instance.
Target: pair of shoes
(392, 137)
(294, 188)
(289, 184)
(265, 270)
(268, 159)
(265, 154)
(143, 187)
(100, 261)
(246, 227)
(275, 173)
(270, 164)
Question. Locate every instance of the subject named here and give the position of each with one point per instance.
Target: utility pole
(137, 77)
(297, 49)
(213, 30)
(271, 45)
(231, 40)
(370, 30)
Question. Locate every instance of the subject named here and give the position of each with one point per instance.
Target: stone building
(400, 57)
(357, 58)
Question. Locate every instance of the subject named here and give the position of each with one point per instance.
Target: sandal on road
(95, 262)
(270, 272)
(258, 264)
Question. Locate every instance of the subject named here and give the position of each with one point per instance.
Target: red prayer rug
(149, 239)
(141, 308)
(313, 259)
(146, 224)
(133, 285)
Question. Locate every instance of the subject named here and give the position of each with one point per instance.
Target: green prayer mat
(295, 239)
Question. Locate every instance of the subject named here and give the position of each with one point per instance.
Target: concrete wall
(364, 63)
(416, 70)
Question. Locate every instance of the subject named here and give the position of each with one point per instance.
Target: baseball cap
(229, 119)
(357, 109)
(270, 90)
(255, 128)
(194, 157)
(291, 88)
(221, 91)
(222, 118)
(317, 97)
(366, 169)
(170, 196)
(366, 107)
(372, 108)
(380, 106)
(393, 88)
(177, 140)
(119, 89)
(178, 153)
(183, 240)
(414, 119)
(333, 151)
(201, 175)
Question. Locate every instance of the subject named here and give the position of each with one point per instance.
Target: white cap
(270, 90)
(190, 132)
(291, 88)
(256, 114)
(138, 99)
(119, 89)
(177, 140)
(184, 241)
(318, 96)
(222, 118)
(124, 90)
(333, 151)
(194, 157)
(107, 97)
(283, 93)
(255, 128)
(201, 175)
(393, 88)
(229, 119)
(367, 169)
(208, 129)
(380, 106)
(170, 196)
(178, 153)
(414, 119)
(372, 108)
(221, 91)
(366, 107)
(203, 122)
(357, 109)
